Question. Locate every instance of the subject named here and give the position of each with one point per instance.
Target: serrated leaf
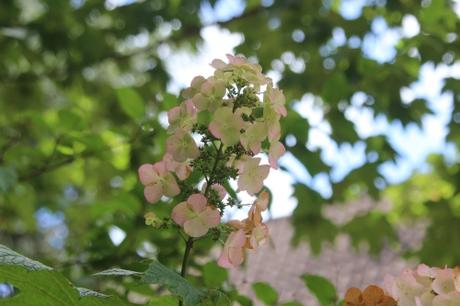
(265, 293)
(117, 272)
(161, 275)
(322, 288)
(89, 292)
(11, 258)
(131, 103)
(40, 285)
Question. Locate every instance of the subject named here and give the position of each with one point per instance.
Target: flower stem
(190, 240)
(188, 249)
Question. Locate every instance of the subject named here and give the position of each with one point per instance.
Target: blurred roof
(281, 264)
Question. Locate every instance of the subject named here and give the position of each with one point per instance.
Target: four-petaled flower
(157, 181)
(249, 233)
(195, 215)
(182, 117)
(226, 125)
(182, 146)
(252, 175)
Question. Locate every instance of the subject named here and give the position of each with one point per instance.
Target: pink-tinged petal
(221, 192)
(218, 64)
(200, 101)
(444, 281)
(237, 60)
(233, 253)
(276, 150)
(449, 299)
(211, 217)
(153, 193)
(274, 132)
(170, 186)
(252, 138)
(277, 100)
(224, 261)
(182, 146)
(197, 81)
(147, 174)
(197, 202)
(457, 278)
(174, 114)
(160, 168)
(195, 227)
(227, 126)
(236, 256)
(253, 175)
(424, 270)
(181, 213)
(215, 130)
(182, 170)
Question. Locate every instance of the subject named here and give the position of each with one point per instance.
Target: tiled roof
(281, 264)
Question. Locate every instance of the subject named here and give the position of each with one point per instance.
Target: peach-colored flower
(157, 181)
(195, 215)
(249, 233)
(233, 252)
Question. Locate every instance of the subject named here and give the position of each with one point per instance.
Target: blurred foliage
(82, 94)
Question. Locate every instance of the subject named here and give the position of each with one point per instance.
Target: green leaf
(8, 178)
(161, 275)
(291, 304)
(131, 103)
(214, 275)
(265, 293)
(39, 285)
(116, 272)
(169, 100)
(322, 288)
(11, 258)
(165, 300)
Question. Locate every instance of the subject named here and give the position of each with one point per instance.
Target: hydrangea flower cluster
(425, 286)
(235, 114)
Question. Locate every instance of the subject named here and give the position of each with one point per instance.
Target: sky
(412, 143)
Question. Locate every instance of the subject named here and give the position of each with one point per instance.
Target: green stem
(214, 167)
(183, 270)
(189, 242)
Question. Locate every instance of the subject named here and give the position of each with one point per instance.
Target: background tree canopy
(83, 86)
